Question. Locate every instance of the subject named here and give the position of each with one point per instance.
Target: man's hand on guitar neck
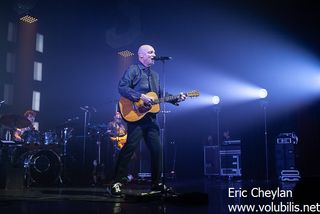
(182, 97)
(146, 99)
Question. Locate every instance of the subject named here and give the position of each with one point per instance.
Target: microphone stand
(162, 129)
(86, 113)
(264, 106)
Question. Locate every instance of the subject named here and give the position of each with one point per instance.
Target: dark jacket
(138, 80)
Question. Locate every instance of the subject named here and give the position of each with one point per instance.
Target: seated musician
(117, 131)
(18, 134)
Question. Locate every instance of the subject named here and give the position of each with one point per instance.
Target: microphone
(162, 58)
(2, 101)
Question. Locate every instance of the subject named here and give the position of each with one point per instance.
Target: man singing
(137, 81)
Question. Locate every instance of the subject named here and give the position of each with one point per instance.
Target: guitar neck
(165, 99)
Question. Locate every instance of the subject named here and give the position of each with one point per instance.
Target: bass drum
(43, 167)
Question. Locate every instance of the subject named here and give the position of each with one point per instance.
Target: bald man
(137, 81)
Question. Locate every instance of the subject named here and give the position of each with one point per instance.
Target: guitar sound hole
(144, 108)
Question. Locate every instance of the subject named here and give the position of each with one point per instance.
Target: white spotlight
(263, 93)
(215, 100)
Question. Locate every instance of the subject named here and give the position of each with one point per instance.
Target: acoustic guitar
(134, 111)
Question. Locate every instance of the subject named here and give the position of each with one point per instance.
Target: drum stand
(65, 179)
(98, 167)
(27, 180)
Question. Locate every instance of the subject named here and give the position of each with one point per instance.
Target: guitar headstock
(193, 93)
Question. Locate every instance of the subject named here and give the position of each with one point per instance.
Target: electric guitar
(134, 111)
(120, 141)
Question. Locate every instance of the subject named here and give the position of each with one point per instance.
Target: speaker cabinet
(211, 160)
(230, 162)
(285, 155)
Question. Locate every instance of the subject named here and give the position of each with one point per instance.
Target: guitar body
(134, 111)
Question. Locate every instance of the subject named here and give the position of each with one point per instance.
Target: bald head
(146, 53)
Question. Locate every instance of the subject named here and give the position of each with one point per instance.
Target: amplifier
(231, 142)
(231, 145)
(287, 138)
(211, 160)
(230, 162)
(285, 157)
(290, 175)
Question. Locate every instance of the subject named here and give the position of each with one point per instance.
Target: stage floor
(203, 195)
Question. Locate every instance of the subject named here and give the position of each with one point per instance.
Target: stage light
(28, 19)
(215, 100)
(125, 53)
(263, 93)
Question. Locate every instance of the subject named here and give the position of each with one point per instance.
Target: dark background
(214, 44)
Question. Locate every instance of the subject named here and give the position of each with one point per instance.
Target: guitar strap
(152, 83)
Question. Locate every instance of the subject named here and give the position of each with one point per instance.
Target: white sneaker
(116, 189)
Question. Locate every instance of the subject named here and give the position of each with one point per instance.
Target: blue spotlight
(215, 100)
(263, 93)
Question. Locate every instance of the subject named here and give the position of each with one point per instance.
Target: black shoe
(116, 190)
(159, 187)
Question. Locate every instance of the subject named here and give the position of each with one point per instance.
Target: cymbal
(15, 121)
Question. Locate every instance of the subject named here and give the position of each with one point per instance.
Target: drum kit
(40, 155)
(44, 157)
